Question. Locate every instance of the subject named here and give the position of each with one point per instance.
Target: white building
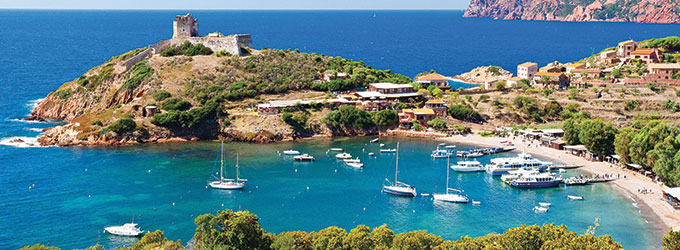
(527, 70)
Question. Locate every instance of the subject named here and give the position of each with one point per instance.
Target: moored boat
(397, 187)
(544, 204)
(304, 157)
(500, 166)
(352, 160)
(475, 154)
(540, 209)
(388, 150)
(355, 164)
(127, 229)
(375, 140)
(574, 197)
(451, 195)
(536, 180)
(440, 153)
(335, 149)
(223, 183)
(343, 156)
(576, 181)
(468, 166)
(291, 152)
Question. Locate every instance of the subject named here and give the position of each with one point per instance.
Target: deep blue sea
(75, 192)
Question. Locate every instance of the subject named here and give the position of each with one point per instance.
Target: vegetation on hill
(187, 49)
(241, 230)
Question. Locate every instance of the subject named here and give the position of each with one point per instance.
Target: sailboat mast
(236, 167)
(448, 160)
(396, 171)
(221, 161)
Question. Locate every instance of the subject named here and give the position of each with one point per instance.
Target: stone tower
(184, 26)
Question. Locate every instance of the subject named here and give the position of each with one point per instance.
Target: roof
(675, 192)
(586, 70)
(516, 78)
(400, 95)
(433, 77)
(627, 41)
(576, 147)
(389, 85)
(643, 52)
(663, 66)
(635, 166)
(419, 111)
(546, 68)
(528, 64)
(552, 131)
(370, 94)
(548, 74)
(575, 65)
(434, 101)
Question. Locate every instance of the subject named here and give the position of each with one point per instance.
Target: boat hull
(458, 169)
(542, 184)
(114, 231)
(226, 185)
(400, 191)
(502, 171)
(455, 198)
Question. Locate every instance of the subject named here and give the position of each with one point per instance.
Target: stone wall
(231, 44)
(150, 51)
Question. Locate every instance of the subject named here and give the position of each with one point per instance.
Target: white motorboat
(544, 204)
(355, 164)
(396, 187)
(388, 150)
(303, 157)
(468, 166)
(514, 174)
(450, 147)
(223, 183)
(475, 154)
(291, 152)
(507, 143)
(442, 144)
(451, 195)
(576, 181)
(476, 203)
(540, 209)
(371, 154)
(335, 149)
(375, 140)
(127, 229)
(382, 145)
(574, 197)
(356, 160)
(440, 153)
(343, 156)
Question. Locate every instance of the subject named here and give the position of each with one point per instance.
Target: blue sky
(233, 4)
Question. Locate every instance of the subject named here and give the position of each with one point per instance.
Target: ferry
(500, 166)
(468, 166)
(514, 174)
(540, 180)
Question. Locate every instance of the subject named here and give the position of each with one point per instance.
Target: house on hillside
(625, 48)
(438, 105)
(434, 79)
(550, 80)
(646, 55)
(662, 71)
(608, 57)
(514, 81)
(588, 73)
(390, 88)
(549, 69)
(577, 65)
(527, 70)
(422, 116)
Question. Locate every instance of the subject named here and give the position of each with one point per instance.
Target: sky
(234, 4)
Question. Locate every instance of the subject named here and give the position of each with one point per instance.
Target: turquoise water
(68, 205)
(163, 186)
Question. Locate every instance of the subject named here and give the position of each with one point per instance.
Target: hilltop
(641, 11)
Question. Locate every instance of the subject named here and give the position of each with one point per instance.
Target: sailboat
(223, 183)
(455, 195)
(396, 187)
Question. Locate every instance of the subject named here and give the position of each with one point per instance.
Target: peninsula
(644, 11)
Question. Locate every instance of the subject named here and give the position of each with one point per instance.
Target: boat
(335, 149)
(223, 183)
(355, 164)
(304, 157)
(475, 154)
(375, 140)
(507, 143)
(539, 209)
(382, 145)
(468, 166)
(450, 147)
(574, 197)
(451, 195)
(441, 144)
(514, 174)
(127, 229)
(544, 204)
(500, 166)
(352, 160)
(397, 187)
(562, 170)
(576, 181)
(476, 203)
(462, 153)
(291, 152)
(536, 180)
(440, 153)
(371, 154)
(388, 150)
(343, 156)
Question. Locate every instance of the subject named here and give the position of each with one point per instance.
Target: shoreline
(658, 213)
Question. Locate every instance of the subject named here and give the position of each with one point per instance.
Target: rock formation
(641, 11)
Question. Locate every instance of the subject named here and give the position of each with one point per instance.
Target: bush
(500, 85)
(161, 95)
(222, 53)
(464, 112)
(139, 72)
(437, 123)
(182, 119)
(122, 125)
(176, 104)
(552, 108)
(187, 49)
(63, 94)
(631, 105)
(349, 117)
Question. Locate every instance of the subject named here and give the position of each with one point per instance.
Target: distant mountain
(641, 11)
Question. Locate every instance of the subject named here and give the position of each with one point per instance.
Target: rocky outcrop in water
(641, 11)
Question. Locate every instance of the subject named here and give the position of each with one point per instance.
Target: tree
(292, 240)
(437, 92)
(359, 239)
(161, 95)
(230, 230)
(175, 104)
(349, 117)
(329, 238)
(298, 122)
(552, 108)
(122, 125)
(386, 118)
(671, 241)
(382, 237)
(500, 85)
(39, 247)
(416, 240)
(437, 123)
(464, 112)
(622, 143)
(597, 136)
(571, 131)
(666, 158)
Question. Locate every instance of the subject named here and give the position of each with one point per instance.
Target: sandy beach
(652, 206)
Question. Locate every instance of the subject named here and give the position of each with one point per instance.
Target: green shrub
(464, 112)
(349, 117)
(139, 72)
(187, 49)
(176, 104)
(437, 123)
(63, 94)
(222, 53)
(122, 125)
(96, 123)
(631, 105)
(161, 95)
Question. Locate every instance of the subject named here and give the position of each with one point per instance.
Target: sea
(65, 196)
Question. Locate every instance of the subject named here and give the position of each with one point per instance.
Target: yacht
(475, 154)
(388, 150)
(468, 166)
(303, 157)
(352, 160)
(355, 164)
(500, 166)
(343, 156)
(223, 183)
(335, 149)
(440, 153)
(540, 180)
(291, 152)
(396, 187)
(375, 140)
(576, 181)
(451, 195)
(127, 229)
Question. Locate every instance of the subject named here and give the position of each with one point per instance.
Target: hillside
(205, 95)
(641, 11)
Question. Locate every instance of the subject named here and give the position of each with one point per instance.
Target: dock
(566, 166)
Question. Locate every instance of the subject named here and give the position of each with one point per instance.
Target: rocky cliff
(641, 11)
